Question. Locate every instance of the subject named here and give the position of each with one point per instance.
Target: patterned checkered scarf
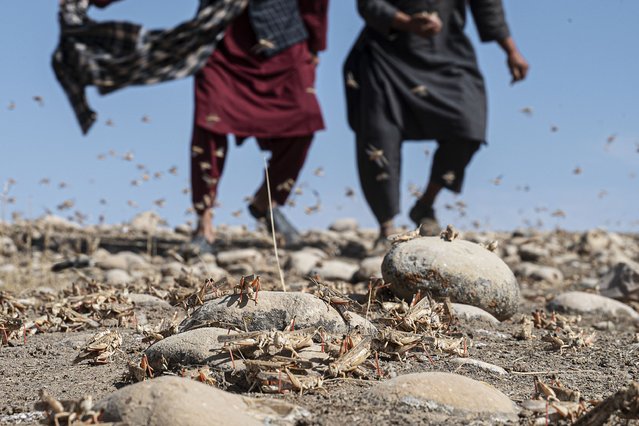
(114, 55)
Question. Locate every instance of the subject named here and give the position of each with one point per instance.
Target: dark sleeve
(102, 3)
(378, 14)
(315, 16)
(490, 19)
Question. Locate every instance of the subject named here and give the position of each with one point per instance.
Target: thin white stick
(270, 206)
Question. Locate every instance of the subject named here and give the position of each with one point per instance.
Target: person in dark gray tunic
(412, 75)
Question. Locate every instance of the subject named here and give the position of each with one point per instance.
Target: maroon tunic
(243, 93)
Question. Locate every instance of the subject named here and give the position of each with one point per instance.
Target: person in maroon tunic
(259, 83)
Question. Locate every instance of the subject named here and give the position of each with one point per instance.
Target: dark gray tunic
(428, 88)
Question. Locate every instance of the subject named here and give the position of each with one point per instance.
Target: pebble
(461, 270)
(117, 276)
(210, 270)
(7, 246)
(181, 401)
(148, 300)
(594, 240)
(449, 394)
(8, 268)
(532, 252)
(125, 260)
(249, 255)
(56, 223)
(481, 365)
(622, 282)
(604, 326)
(468, 312)
(274, 311)
(580, 302)
(148, 222)
(344, 224)
(184, 229)
(336, 270)
(540, 273)
(302, 262)
(172, 269)
(369, 267)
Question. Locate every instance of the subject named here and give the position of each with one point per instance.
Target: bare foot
(205, 226)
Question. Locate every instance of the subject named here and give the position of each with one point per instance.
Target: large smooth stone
(580, 302)
(180, 401)
(449, 394)
(463, 271)
(193, 347)
(273, 311)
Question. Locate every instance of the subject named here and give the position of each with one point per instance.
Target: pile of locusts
(85, 306)
(272, 360)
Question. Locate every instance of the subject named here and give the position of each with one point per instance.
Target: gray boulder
(273, 311)
(532, 252)
(584, 303)
(344, 224)
(304, 261)
(463, 271)
(449, 395)
(540, 273)
(622, 282)
(181, 401)
(117, 276)
(336, 270)
(194, 347)
(369, 267)
(249, 255)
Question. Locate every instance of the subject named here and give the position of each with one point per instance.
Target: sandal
(281, 224)
(424, 217)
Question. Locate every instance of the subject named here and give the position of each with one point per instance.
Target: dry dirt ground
(47, 360)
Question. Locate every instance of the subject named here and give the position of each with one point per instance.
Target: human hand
(425, 24)
(315, 60)
(518, 66)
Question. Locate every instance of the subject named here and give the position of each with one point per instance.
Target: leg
(379, 164)
(208, 155)
(288, 156)
(448, 169)
(449, 164)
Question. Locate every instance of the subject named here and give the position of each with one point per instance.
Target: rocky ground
(568, 338)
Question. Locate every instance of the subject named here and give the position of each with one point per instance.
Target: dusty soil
(46, 360)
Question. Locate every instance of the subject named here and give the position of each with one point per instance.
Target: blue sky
(582, 80)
